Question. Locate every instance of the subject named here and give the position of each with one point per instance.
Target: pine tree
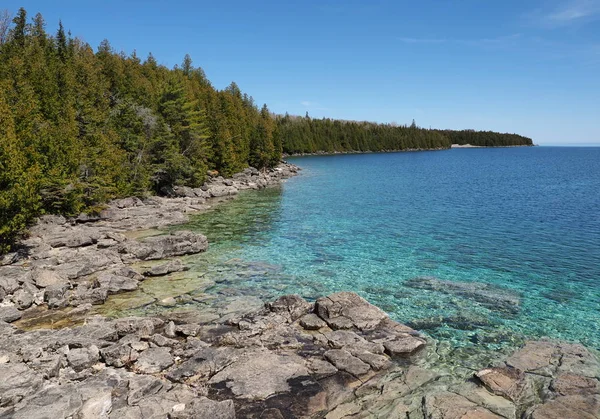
(19, 201)
(261, 148)
(186, 66)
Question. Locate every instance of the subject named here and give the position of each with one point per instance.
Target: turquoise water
(516, 229)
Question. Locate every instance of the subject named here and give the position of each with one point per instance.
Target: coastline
(338, 357)
(335, 153)
(485, 146)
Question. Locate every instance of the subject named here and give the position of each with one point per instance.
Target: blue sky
(524, 66)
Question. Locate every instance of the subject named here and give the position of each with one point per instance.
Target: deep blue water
(516, 222)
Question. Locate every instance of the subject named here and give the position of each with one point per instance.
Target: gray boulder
(54, 295)
(119, 355)
(23, 299)
(217, 191)
(312, 322)
(83, 358)
(154, 360)
(9, 314)
(11, 277)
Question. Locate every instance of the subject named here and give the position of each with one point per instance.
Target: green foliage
(19, 200)
(486, 138)
(78, 128)
(305, 135)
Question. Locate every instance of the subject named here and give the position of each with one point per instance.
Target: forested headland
(79, 126)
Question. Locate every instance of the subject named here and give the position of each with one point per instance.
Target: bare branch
(5, 21)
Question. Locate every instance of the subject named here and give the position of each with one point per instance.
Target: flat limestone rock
(166, 268)
(577, 359)
(154, 360)
(205, 363)
(117, 283)
(83, 358)
(203, 408)
(536, 356)
(480, 396)
(345, 310)
(52, 402)
(312, 322)
(17, 381)
(403, 346)
(506, 382)
(45, 278)
(571, 384)
(119, 355)
(446, 405)
(569, 407)
(258, 375)
(295, 305)
(321, 368)
(177, 243)
(550, 358)
(345, 361)
(376, 361)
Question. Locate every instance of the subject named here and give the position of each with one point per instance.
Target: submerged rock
(490, 296)
(446, 405)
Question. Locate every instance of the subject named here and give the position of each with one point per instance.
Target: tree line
(304, 135)
(79, 127)
(486, 138)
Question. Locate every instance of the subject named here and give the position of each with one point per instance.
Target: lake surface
(515, 230)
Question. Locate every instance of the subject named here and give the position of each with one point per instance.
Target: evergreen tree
(262, 149)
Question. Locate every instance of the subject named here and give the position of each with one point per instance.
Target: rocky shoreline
(335, 153)
(337, 357)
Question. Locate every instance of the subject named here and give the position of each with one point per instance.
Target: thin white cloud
(567, 13)
(422, 40)
(314, 106)
(476, 42)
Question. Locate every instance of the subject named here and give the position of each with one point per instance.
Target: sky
(525, 66)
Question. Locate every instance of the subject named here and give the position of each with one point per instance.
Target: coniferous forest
(80, 126)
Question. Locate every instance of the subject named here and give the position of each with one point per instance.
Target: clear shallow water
(521, 225)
